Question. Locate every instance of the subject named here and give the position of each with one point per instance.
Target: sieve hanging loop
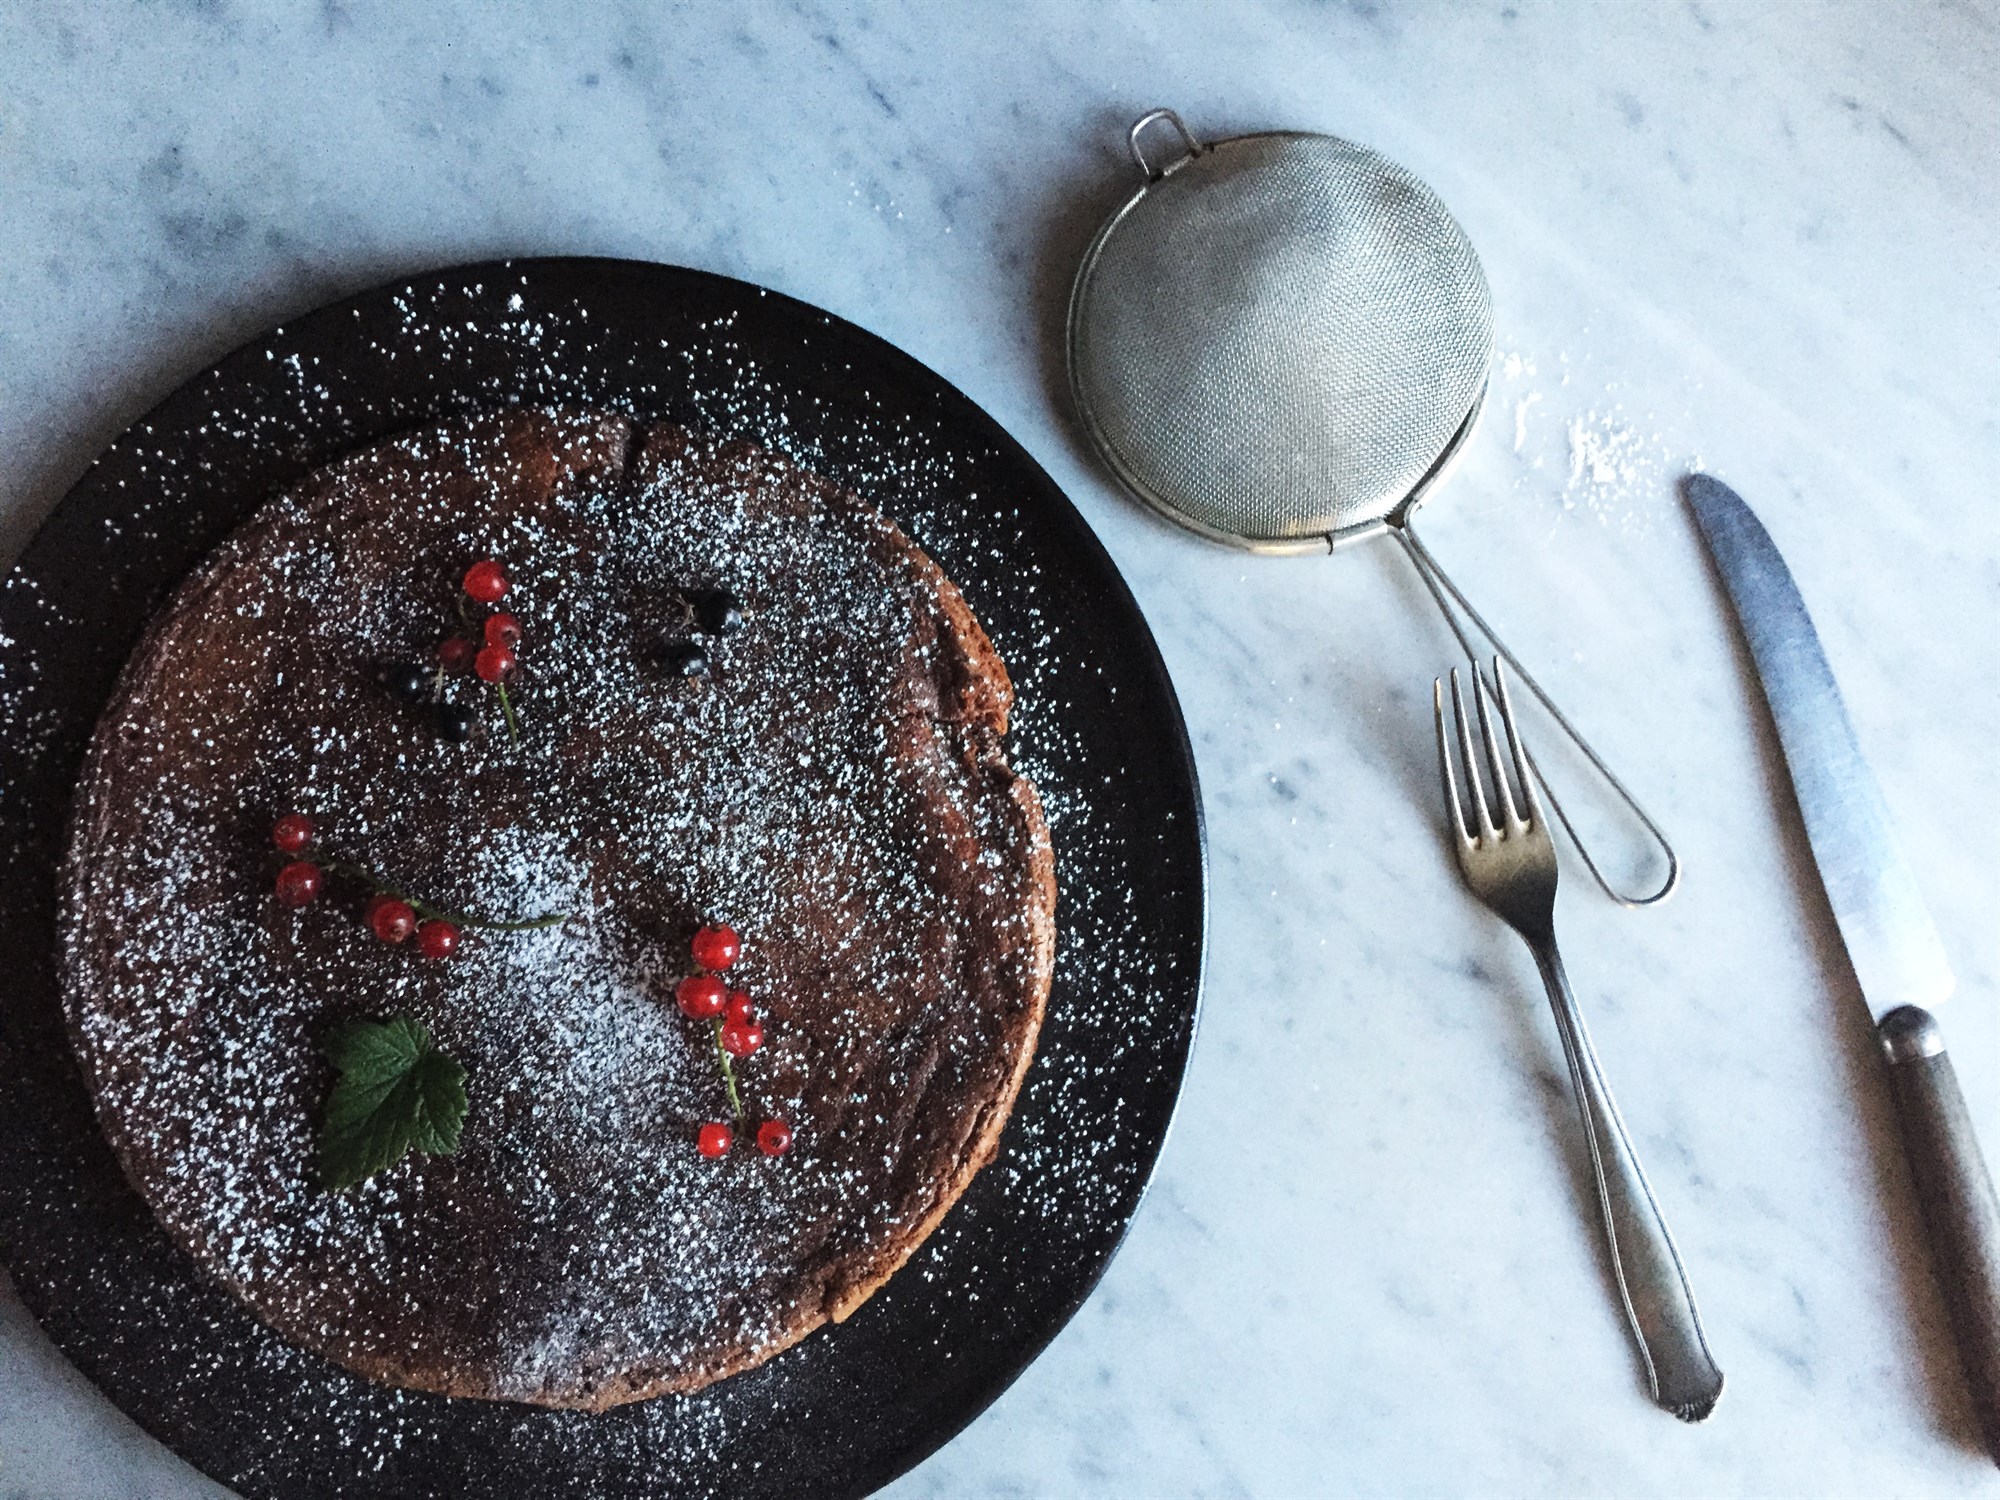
(1153, 173)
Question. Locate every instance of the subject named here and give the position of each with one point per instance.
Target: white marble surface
(1757, 235)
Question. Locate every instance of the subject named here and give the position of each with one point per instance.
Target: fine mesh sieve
(1281, 342)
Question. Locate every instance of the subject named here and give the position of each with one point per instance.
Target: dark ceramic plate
(1097, 727)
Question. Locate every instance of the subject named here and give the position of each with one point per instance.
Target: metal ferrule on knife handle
(1890, 941)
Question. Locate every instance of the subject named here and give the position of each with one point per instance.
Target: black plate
(1097, 727)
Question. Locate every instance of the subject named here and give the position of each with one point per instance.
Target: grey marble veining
(1758, 238)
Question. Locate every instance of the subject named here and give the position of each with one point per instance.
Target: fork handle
(1659, 1303)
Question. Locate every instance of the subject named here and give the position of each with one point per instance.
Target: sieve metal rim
(1107, 452)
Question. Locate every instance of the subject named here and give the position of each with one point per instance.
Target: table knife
(1894, 949)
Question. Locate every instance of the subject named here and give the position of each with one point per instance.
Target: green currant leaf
(437, 1114)
(397, 1091)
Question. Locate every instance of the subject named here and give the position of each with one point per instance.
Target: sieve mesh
(1277, 340)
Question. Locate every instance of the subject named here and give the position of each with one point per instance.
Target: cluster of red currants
(388, 915)
(738, 1033)
(493, 659)
(490, 659)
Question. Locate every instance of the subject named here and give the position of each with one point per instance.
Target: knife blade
(1890, 939)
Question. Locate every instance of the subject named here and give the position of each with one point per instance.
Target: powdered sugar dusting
(1603, 462)
(888, 900)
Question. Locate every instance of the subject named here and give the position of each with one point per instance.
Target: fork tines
(1497, 764)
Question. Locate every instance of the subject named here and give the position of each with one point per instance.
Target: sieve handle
(1445, 593)
(1153, 173)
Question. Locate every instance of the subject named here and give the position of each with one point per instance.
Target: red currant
(299, 883)
(292, 833)
(714, 1139)
(392, 917)
(702, 996)
(502, 630)
(741, 1038)
(493, 663)
(455, 653)
(774, 1138)
(436, 939)
(739, 1011)
(716, 947)
(485, 582)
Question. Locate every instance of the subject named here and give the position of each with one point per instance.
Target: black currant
(718, 612)
(683, 659)
(454, 722)
(405, 680)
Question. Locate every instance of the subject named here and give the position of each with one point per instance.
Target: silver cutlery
(1897, 959)
(1511, 866)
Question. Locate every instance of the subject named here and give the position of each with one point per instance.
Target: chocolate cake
(828, 779)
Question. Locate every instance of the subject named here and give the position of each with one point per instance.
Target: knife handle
(1961, 1215)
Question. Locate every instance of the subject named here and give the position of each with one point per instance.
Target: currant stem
(438, 913)
(507, 707)
(728, 1072)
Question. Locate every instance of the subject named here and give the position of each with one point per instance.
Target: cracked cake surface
(836, 789)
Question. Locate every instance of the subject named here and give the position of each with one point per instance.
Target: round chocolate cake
(741, 696)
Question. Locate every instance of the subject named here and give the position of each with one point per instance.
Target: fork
(1511, 867)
